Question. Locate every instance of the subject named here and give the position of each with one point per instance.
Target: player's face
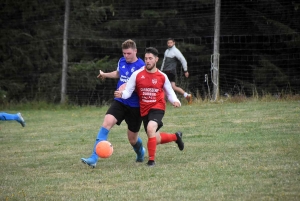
(150, 61)
(130, 55)
(170, 43)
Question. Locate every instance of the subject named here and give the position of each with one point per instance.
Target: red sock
(167, 137)
(151, 148)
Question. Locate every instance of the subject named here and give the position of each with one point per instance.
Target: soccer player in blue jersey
(122, 109)
(12, 117)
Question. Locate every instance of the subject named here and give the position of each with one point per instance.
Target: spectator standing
(171, 57)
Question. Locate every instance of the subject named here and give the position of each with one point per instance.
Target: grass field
(233, 151)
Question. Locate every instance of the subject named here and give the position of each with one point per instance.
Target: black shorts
(170, 75)
(131, 115)
(154, 115)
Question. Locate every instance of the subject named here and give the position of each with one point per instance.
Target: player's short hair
(128, 44)
(151, 50)
(172, 39)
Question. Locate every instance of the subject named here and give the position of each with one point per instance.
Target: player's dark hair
(151, 50)
(172, 39)
(128, 44)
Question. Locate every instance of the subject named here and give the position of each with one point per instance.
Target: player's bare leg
(182, 92)
(137, 145)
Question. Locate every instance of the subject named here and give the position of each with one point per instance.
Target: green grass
(233, 151)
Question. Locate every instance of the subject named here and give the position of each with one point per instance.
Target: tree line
(32, 35)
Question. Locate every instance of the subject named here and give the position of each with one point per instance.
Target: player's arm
(163, 63)
(130, 87)
(170, 93)
(113, 74)
(181, 58)
(183, 62)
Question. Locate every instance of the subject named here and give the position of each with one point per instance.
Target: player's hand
(101, 75)
(118, 94)
(176, 104)
(186, 74)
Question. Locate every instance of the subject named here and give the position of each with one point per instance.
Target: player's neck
(135, 59)
(153, 70)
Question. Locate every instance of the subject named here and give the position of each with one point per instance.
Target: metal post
(65, 54)
(215, 68)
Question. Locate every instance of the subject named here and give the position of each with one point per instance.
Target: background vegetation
(259, 50)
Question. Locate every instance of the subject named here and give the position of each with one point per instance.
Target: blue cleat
(89, 161)
(21, 119)
(140, 156)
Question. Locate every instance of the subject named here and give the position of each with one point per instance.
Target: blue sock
(102, 135)
(138, 146)
(8, 117)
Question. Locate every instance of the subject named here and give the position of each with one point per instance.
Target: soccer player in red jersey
(151, 85)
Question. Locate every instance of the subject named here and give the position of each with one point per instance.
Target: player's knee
(132, 141)
(151, 132)
(132, 137)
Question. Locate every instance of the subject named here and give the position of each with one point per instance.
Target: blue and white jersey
(125, 70)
